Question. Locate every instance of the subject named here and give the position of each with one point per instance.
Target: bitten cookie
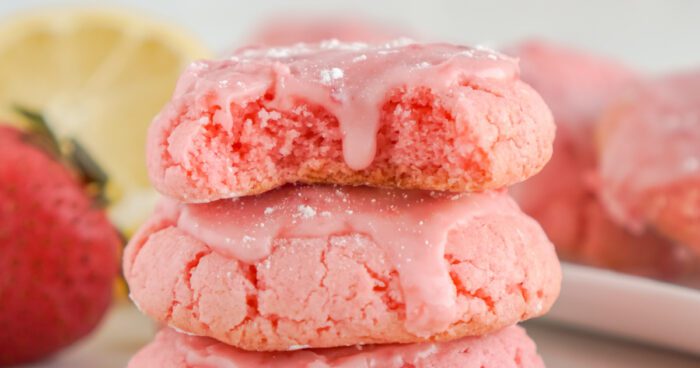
(407, 115)
(507, 348)
(563, 197)
(650, 158)
(324, 266)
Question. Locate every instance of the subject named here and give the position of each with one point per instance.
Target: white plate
(631, 307)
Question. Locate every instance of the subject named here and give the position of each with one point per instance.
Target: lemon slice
(98, 76)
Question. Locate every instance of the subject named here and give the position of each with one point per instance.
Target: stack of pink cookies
(340, 204)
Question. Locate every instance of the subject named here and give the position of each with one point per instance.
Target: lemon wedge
(98, 76)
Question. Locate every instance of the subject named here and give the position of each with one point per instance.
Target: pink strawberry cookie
(577, 87)
(325, 266)
(650, 158)
(407, 115)
(507, 348)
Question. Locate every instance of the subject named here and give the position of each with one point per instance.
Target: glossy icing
(412, 226)
(350, 80)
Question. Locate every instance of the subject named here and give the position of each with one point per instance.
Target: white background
(651, 35)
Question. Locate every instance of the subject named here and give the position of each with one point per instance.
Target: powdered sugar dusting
(329, 75)
(306, 211)
(359, 58)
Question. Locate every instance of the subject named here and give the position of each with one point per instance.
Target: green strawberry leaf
(69, 151)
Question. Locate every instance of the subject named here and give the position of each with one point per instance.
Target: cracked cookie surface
(343, 287)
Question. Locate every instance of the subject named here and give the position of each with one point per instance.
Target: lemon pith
(99, 76)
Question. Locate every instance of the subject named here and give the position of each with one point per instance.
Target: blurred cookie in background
(563, 197)
(649, 142)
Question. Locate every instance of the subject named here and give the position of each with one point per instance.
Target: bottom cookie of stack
(509, 347)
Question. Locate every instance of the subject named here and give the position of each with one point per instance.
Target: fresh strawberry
(58, 251)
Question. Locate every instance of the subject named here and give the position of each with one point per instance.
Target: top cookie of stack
(404, 115)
